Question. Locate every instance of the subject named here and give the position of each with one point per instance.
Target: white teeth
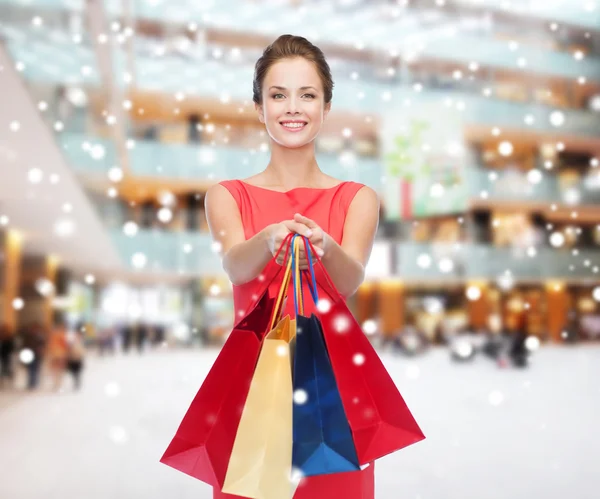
(293, 125)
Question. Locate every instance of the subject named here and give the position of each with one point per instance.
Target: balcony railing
(95, 156)
(186, 253)
(425, 262)
(55, 61)
(200, 162)
(191, 253)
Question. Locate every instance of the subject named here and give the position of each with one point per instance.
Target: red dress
(260, 207)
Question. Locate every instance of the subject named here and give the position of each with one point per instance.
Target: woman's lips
(295, 128)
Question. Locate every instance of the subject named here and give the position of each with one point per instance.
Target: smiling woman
(250, 218)
(292, 105)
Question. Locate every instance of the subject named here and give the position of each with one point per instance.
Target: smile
(293, 127)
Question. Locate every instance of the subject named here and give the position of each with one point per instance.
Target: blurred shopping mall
(478, 122)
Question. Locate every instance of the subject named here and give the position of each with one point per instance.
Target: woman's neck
(290, 168)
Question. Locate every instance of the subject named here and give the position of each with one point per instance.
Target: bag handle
(284, 284)
(332, 288)
(298, 288)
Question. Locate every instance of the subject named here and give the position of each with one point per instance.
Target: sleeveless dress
(260, 207)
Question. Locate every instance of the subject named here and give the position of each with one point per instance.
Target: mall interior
(478, 124)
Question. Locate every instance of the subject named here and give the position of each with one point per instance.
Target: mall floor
(491, 433)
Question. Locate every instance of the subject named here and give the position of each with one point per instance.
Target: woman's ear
(326, 110)
(259, 110)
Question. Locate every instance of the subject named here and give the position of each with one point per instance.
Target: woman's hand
(318, 237)
(278, 232)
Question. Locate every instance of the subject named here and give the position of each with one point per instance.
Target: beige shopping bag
(260, 463)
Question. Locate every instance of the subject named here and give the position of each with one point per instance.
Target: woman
(76, 356)
(57, 354)
(7, 348)
(250, 218)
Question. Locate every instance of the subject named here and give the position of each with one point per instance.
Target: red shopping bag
(347, 485)
(380, 420)
(204, 440)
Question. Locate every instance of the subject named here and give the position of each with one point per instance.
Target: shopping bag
(260, 463)
(203, 442)
(379, 418)
(349, 485)
(322, 442)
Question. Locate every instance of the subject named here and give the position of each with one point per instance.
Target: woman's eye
(312, 96)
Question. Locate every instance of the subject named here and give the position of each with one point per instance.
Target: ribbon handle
(312, 282)
(277, 309)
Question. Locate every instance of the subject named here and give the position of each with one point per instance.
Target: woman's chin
(292, 144)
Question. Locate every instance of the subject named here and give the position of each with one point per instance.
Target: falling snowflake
(341, 323)
(300, 396)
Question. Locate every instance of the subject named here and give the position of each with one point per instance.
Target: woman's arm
(243, 260)
(346, 263)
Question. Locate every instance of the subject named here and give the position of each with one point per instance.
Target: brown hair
(289, 47)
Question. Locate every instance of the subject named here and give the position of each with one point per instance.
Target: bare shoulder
(216, 195)
(223, 217)
(366, 197)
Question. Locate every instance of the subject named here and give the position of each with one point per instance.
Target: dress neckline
(294, 189)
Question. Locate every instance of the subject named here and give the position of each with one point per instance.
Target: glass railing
(59, 62)
(583, 14)
(87, 154)
(192, 253)
(475, 261)
(514, 185)
(460, 47)
(207, 162)
(187, 253)
(465, 49)
(364, 96)
(511, 185)
(50, 55)
(76, 5)
(93, 155)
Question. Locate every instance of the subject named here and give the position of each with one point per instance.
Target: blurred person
(250, 218)
(127, 336)
(141, 337)
(518, 351)
(159, 334)
(493, 345)
(34, 339)
(466, 343)
(62, 106)
(75, 357)
(150, 132)
(572, 332)
(441, 335)
(106, 340)
(204, 334)
(411, 340)
(7, 348)
(194, 125)
(57, 354)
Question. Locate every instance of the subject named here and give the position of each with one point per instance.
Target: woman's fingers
(298, 228)
(303, 263)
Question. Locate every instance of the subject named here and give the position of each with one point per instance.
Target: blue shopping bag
(322, 439)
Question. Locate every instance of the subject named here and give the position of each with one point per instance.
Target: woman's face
(293, 108)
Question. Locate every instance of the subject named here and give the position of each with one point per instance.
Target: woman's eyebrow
(284, 88)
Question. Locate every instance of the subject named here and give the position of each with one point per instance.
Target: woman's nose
(292, 105)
